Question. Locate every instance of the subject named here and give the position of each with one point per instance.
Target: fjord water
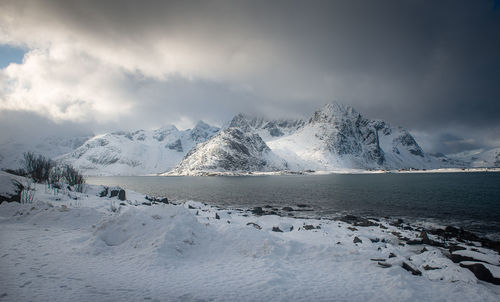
(468, 200)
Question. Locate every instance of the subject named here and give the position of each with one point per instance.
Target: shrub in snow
(37, 167)
(28, 192)
(72, 176)
(44, 170)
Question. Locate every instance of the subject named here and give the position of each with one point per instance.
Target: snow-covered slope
(11, 152)
(336, 137)
(82, 247)
(479, 158)
(137, 153)
(230, 150)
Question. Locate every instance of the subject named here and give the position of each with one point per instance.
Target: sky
(74, 67)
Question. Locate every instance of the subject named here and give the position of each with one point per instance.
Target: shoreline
(330, 172)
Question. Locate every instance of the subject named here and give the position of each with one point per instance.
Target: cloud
(103, 64)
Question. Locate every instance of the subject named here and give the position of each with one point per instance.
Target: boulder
(481, 272)
(122, 195)
(357, 240)
(117, 192)
(277, 229)
(412, 270)
(257, 211)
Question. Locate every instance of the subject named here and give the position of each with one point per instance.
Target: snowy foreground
(81, 247)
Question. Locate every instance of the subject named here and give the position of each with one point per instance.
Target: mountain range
(334, 138)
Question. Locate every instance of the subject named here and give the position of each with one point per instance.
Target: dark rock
(412, 270)
(384, 265)
(301, 205)
(257, 211)
(114, 192)
(121, 195)
(352, 229)
(217, 216)
(397, 222)
(454, 248)
(258, 227)
(430, 268)
(392, 255)
(277, 229)
(177, 146)
(424, 250)
(423, 235)
(308, 227)
(377, 259)
(414, 242)
(357, 240)
(289, 209)
(146, 203)
(349, 218)
(374, 240)
(365, 223)
(191, 207)
(104, 192)
(481, 272)
(156, 199)
(459, 258)
(267, 206)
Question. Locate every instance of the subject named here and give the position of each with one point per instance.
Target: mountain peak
(201, 125)
(334, 111)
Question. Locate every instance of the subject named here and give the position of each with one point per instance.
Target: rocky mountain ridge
(335, 137)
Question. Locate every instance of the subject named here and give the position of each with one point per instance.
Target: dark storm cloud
(432, 66)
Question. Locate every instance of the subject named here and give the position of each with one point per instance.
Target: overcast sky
(96, 66)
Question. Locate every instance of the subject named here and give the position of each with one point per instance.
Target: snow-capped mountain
(479, 158)
(137, 153)
(232, 149)
(11, 152)
(336, 137)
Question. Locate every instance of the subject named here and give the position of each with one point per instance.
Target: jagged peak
(168, 127)
(201, 125)
(333, 111)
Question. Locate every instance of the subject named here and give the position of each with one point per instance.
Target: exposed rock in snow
(230, 150)
(266, 128)
(137, 153)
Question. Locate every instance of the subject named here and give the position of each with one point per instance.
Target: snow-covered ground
(80, 247)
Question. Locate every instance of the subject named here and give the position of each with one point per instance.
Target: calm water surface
(469, 200)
